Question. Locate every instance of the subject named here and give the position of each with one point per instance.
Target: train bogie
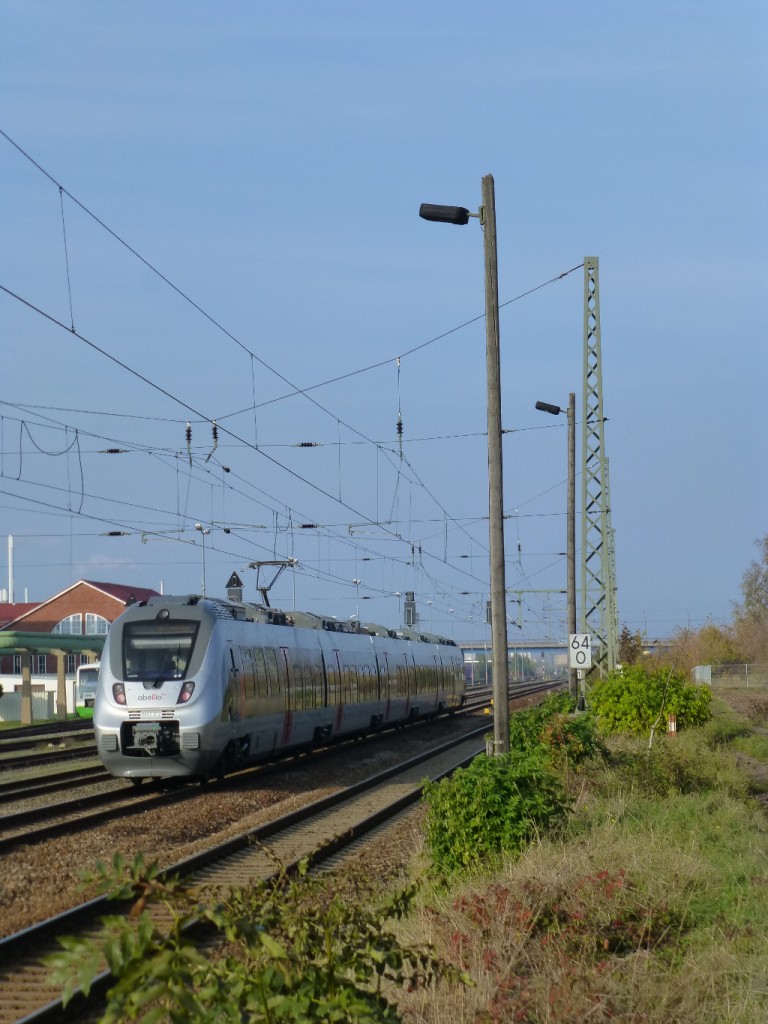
(194, 686)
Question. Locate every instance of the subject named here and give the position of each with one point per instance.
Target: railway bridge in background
(529, 659)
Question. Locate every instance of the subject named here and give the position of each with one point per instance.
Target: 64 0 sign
(580, 650)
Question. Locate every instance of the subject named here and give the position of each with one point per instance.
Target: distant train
(196, 686)
(86, 680)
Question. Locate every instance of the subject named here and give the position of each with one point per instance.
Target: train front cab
(156, 712)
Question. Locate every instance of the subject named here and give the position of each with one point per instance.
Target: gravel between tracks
(38, 881)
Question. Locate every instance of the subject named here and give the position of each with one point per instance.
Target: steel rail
(20, 953)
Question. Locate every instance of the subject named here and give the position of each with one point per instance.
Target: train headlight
(118, 692)
(186, 692)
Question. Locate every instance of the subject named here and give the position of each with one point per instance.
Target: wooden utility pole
(461, 215)
(495, 477)
(573, 681)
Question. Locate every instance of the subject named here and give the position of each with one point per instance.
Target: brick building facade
(84, 609)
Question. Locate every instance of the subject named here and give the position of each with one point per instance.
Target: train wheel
(137, 782)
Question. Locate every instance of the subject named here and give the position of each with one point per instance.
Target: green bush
(526, 728)
(495, 806)
(633, 700)
(552, 729)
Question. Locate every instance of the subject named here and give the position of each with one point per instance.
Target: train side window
(388, 679)
(348, 688)
(366, 683)
(273, 672)
(353, 695)
(313, 673)
(421, 678)
(249, 674)
(363, 683)
(333, 672)
(435, 679)
(405, 679)
(402, 682)
(305, 680)
(261, 680)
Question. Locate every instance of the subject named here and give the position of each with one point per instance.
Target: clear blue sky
(268, 160)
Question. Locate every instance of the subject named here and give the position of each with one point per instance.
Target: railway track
(50, 820)
(45, 731)
(328, 825)
(350, 813)
(82, 812)
(39, 745)
(42, 785)
(25, 741)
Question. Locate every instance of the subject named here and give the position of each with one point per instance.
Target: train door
(233, 708)
(448, 672)
(387, 683)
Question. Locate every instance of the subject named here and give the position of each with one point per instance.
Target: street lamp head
(444, 214)
(554, 410)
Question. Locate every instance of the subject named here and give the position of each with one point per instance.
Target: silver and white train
(196, 686)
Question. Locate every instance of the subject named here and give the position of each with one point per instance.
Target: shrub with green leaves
(526, 727)
(633, 701)
(295, 951)
(496, 805)
(550, 727)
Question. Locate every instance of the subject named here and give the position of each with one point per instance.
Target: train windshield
(87, 677)
(157, 651)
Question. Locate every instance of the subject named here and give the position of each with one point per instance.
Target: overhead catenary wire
(175, 398)
(254, 358)
(153, 452)
(163, 391)
(66, 257)
(101, 497)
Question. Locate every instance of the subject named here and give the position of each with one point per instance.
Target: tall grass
(652, 906)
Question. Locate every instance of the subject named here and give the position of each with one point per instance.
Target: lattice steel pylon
(599, 614)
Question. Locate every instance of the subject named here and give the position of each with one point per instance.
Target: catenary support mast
(598, 574)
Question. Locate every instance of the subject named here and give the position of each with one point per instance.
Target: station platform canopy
(13, 642)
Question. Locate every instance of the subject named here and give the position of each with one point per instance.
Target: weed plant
(294, 952)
